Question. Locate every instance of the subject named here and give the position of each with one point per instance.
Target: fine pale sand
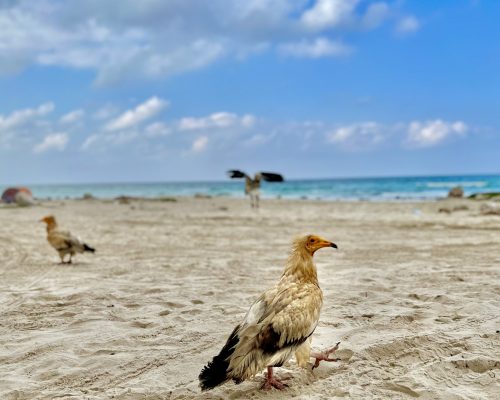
(411, 294)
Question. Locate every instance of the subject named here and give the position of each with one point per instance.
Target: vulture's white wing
(277, 323)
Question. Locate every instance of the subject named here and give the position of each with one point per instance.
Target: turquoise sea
(422, 187)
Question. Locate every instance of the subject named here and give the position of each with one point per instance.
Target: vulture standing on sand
(63, 241)
(252, 186)
(277, 325)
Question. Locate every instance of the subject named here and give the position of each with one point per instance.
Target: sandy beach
(412, 294)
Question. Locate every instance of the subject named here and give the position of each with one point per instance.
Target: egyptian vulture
(63, 241)
(277, 325)
(252, 186)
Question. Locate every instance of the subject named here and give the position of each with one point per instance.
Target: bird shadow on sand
(71, 264)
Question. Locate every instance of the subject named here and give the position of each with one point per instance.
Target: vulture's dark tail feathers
(88, 248)
(215, 372)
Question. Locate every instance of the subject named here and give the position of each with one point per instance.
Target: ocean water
(430, 187)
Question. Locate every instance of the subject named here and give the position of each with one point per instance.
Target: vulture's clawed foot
(272, 382)
(324, 355)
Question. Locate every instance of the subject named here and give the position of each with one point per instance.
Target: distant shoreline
(202, 197)
(373, 189)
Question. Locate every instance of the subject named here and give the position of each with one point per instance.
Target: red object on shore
(9, 194)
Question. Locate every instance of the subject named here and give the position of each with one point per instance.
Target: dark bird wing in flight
(234, 173)
(272, 177)
(267, 176)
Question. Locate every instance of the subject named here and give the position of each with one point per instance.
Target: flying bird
(277, 325)
(63, 241)
(252, 186)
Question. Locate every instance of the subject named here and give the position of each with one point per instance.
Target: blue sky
(100, 91)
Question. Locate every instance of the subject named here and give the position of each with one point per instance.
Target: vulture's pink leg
(324, 355)
(272, 382)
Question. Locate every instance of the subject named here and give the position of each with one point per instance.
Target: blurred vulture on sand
(252, 186)
(63, 241)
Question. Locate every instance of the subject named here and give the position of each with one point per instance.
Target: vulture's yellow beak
(315, 243)
(47, 219)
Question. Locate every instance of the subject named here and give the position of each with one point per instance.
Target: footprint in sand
(140, 324)
(132, 305)
(171, 304)
(194, 311)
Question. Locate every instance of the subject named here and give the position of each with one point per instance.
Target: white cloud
(248, 121)
(320, 47)
(105, 112)
(328, 13)
(89, 141)
(20, 117)
(54, 141)
(216, 120)
(258, 139)
(358, 135)
(72, 116)
(157, 39)
(142, 112)
(157, 129)
(200, 144)
(407, 25)
(431, 133)
(122, 137)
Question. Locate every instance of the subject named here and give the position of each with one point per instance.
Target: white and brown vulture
(63, 241)
(278, 325)
(252, 185)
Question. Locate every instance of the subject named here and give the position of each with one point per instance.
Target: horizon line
(231, 180)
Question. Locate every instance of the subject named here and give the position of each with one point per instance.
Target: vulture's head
(49, 220)
(312, 243)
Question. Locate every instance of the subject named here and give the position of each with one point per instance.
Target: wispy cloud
(200, 144)
(72, 116)
(215, 132)
(408, 24)
(20, 117)
(166, 38)
(89, 141)
(216, 120)
(418, 134)
(133, 117)
(357, 136)
(54, 141)
(157, 129)
(105, 112)
(319, 47)
(432, 133)
(328, 13)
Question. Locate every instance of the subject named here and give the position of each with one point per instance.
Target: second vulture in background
(252, 186)
(63, 241)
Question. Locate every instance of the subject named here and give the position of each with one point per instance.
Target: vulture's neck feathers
(300, 266)
(51, 225)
